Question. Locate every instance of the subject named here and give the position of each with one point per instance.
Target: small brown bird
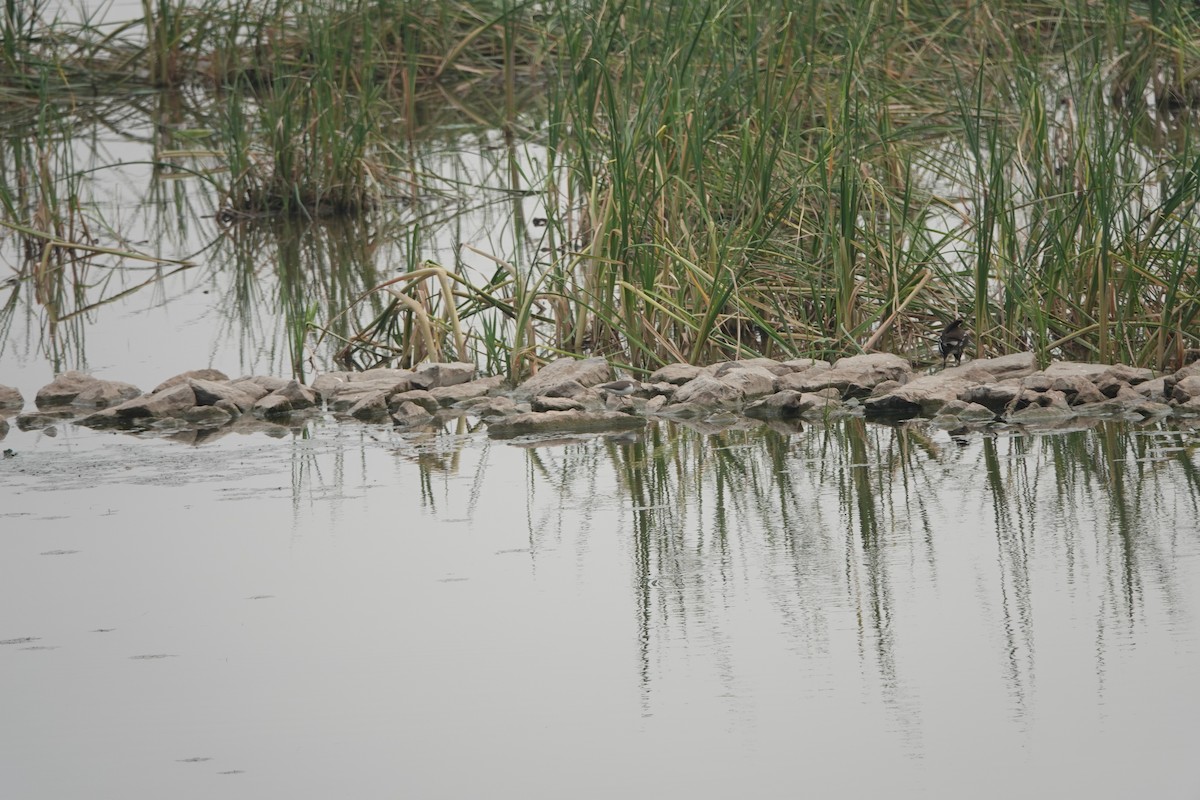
(953, 341)
(621, 388)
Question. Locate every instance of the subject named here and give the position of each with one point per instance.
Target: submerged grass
(721, 179)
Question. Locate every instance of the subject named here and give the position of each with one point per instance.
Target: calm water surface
(844, 611)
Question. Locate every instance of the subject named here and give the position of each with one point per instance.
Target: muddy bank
(572, 396)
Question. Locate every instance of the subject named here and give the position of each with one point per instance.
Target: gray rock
(750, 381)
(371, 407)
(447, 374)
(855, 376)
(1126, 374)
(964, 412)
(788, 404)
(588, 372)
(543, 403)
(1154, 390)
(655, 404)
(418, 397)
(409, 413)
(269, 383)
(805, 364)
(570, 388)
(63, 389)
(207, 416)
(923, 395)
(297, 394)
(999, 397)
(344, 389)
(251, 388)
(209, 393)
(769, 364)
(1186, 389)
(705, 390)
(275, 404)
(170, 402)
(563, 422)
(11, 399)
(183, 377)
(1078, 389)
(450, 395)
(485, 407)
(104, 394)
(1013, 365)
(1066, 369)
(675, 374)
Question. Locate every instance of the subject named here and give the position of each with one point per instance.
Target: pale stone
(63, 389)
(675, 374)
(563, 422)
(169, 402)
(11, 399)
(183, 377)
(588, 372)
(447, 374)
(104, 394)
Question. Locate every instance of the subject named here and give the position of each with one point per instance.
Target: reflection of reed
(884, 526)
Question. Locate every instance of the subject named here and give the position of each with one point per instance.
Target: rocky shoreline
(572, 396)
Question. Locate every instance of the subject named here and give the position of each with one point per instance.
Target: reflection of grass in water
(724, 179)
(851, 514)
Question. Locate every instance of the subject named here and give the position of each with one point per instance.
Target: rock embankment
(572, 396)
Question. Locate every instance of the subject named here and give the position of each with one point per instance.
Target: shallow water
(836, 611)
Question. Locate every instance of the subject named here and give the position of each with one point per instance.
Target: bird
(621, 388)
(953, 341)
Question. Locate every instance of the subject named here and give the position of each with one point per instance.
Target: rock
(655, 404)
(563, 422)
(588, 372)
(925, 395)
(854, 376)
(1154, 389)
(1126, 374)
(343, 389)
(200, 374)
(273, 405)
(207, 416)
(999, 397)
(805, 364)
(788, 403)
(457, 393)
(209, 393)
(268, 382)
(63, 389)
(3, 427)
(750, 381)
(1078, 389)
(297, 394)
(446, 374)
(251, 388)
(418, 397)
(769, 364)
(964, 412)
(1186, 389)
(371, 406)
(485, 407)
(570, 388)
(11, 399)
(409, 413)
(1067, 369)
(675, 374)
(542, 403)
(104, 394)
(170, 402)
(705, 390)
(1013, 365)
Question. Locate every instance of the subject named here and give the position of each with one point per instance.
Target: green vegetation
(721, 179)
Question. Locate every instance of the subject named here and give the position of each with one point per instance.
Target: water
(840, 611)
